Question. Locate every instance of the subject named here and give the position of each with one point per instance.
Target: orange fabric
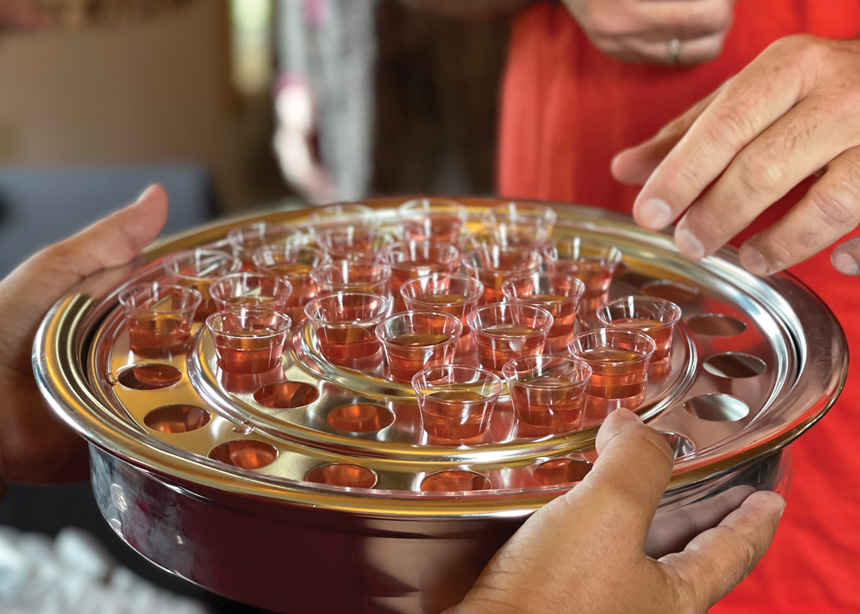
(566, 110)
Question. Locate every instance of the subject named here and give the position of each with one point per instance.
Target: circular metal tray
(755, 362)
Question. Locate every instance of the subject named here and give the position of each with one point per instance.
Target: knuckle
(719, 19)
(795, 45)
(757, 176)
(836, 205)
(731, 128)
(599, 22)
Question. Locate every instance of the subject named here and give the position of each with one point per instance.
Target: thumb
(110, 242)
(30, 290)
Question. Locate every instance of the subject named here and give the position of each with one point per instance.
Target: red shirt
(567, 109)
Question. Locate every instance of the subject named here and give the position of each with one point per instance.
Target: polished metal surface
(756, 361)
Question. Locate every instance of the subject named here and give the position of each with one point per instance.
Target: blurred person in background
(373, 98)
(766, 159)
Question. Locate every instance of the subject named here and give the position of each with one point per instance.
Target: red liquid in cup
(455, 414)
(154, 334)
(244, 351)
(658, 331)
(347, 344)
(556, 404)
(414, 351)
(614, 375)
(518, 341)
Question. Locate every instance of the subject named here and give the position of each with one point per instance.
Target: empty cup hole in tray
(342, 474)
(285, 395)
(360, 418)
(456, 480)
(717, 407)
(671, 291)
(149, 377)
(681, 446)
(245, 453)
(176, 418)
(716, 325)
(561, 471)
(734, 365)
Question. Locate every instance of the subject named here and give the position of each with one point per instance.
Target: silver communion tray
(218, 481)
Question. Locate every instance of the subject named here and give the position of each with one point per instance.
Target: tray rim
(62, 382)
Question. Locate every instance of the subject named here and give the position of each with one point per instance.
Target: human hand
(35, 445)
(789, 114)
(584, 551)
(641, 30)
(295, 146)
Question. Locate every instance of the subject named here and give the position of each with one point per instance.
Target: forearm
(469, 9)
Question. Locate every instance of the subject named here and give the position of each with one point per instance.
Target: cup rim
(356, 211)
(126, 293)
(496, 381)
(674, 308)
(316, 272)
(652, 346)
(573, 359)
(414, 282)
(169, 263)
(472, 316)
(579, 285)
(422, 207)
(285, 322)
(612, 259)
(453, 338)
(313, 303)
(385, 252)
(509, 210)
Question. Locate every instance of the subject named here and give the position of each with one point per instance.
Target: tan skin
(791, 113)
(35, 445)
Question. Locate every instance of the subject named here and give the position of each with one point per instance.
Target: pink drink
(653, 316)
(414, 340)
(432, 219)
(248, 340)
(456, 402)
(548, 391)
(503, 332)
(493, 265)
(456, 295)
(293, 263)
(619, 361)
(558, 294)
(593, 262)
(344, 324)
(160, 317)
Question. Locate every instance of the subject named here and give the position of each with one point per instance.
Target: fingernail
(625, 414)
(753, 261)
(845, 263)
(145, 193)
(688, 244)
(655, 213)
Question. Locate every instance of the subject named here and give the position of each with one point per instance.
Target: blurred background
(235, 106)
